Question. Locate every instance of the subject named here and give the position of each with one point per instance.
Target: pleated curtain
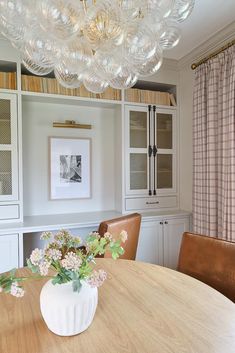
(214, 147)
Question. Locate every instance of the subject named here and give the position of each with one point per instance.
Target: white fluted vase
(65, 312)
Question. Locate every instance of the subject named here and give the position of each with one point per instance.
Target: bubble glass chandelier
(96, 43)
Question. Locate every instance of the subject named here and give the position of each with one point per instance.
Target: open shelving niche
(47, 101)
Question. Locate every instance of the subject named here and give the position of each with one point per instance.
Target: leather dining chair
(129, 223)
(210, 260)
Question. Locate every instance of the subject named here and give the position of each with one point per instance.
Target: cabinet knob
(161, 222)
(166, 222)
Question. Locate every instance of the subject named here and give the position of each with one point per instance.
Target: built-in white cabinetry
(134, 159)
(9, 166)
(150, 157)
(9, 249)
(173, 230)
(160, 239)
(150, 245)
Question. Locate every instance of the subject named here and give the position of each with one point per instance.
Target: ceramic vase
(65, 312)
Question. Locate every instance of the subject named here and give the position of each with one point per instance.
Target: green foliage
(77, 285)
(85, 270)
(33, 268)
(70, 261)
(116, 249)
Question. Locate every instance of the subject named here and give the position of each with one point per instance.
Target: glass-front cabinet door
(137, 149)
(8, 147)
(150, 150)
(165, 144)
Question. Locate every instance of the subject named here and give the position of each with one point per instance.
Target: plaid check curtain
(214, 147)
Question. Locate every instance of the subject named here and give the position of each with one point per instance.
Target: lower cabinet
(9, 250)
(160, 240)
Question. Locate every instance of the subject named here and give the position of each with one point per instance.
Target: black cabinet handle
(154, 150)
(152, 203)
(166, 222)
(150, 150)
(161, 223)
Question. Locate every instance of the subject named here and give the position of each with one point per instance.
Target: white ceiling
(207, 18)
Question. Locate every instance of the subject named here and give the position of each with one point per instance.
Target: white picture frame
(70, 168)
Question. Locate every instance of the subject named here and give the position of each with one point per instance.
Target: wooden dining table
(142, 308)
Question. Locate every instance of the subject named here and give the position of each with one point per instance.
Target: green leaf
(56, 280)
(32, 267)
(85, 270)
(121, 251)
(115, 255)
(77, 285)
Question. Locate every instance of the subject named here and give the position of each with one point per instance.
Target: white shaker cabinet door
(150, 245)
(8, 252)
(173, 231)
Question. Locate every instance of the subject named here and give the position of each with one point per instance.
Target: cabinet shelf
(65, 99)
(7, 79)
(164, 130)
(48, 85)
(138, 128)
(138, 171)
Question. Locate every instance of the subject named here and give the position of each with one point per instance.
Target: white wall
(168, 73)
(185, 94)
(37, 127)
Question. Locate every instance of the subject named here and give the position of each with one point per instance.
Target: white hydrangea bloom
(124, 236)
(17, 291)
(53, 254)
(95, 234)
(108, 236)
(71, 261)
(46, 235)
(44, 267)
(36, 256)
(97, 278)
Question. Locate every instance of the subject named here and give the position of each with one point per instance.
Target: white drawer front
(9, 212)
(148, 203)
(8, 252)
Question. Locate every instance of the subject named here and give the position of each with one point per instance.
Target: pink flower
(123, 236)
(36, 256)
(16, 291)
(44, 267)
(71, 261)
(1, 289)
(97, 278)
(53, 254)
(95, 234)
(46, 235)
(108, 236)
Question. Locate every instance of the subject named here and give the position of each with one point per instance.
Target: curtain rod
(228, 45)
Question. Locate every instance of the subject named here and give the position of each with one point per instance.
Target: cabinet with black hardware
(150, 157)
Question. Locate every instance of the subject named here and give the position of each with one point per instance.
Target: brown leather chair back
(129, 223)
(211, 260)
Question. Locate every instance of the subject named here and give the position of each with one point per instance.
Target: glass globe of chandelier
(96, 43)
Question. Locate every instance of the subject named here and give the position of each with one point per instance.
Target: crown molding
(216, 41)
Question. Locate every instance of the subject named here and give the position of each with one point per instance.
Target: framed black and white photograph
(70, 171)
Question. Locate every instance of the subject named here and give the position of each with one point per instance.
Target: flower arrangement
(69, 260)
